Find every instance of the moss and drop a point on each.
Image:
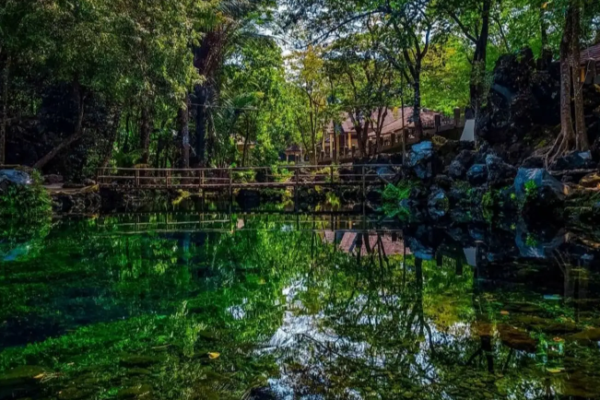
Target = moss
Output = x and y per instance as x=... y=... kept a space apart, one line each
x=487 y=206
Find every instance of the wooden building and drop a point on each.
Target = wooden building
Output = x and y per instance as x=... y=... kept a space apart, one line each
x=340 y=141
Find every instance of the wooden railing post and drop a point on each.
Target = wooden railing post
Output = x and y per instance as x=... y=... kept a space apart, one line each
x=364 y=183
x=331 y=173
x=137 y=177
x=230 y=184
x=168 y=178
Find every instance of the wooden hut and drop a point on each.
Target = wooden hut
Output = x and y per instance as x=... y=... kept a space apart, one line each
x=294 y=153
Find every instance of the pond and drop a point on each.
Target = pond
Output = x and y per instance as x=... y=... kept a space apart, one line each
x=278 y=305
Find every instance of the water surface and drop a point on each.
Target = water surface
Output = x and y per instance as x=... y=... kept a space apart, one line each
x=281 y=305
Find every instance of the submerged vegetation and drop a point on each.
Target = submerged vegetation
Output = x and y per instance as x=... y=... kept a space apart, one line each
x=103 y=312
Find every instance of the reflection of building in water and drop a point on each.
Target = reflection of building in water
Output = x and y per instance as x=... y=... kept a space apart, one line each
x=353 y=241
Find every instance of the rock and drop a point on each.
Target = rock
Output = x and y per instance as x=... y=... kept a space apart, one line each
x=540 y=244
x=15 y=177
x=456 y=170
x=531 y=180
x=262 y=393
x=591 y=180
x=420 y=159
x=499 y=171
x=438 y=204
x=461 y=164
x=507 y=199
x=517 y=339
x=533 y=162
x=53 y=179
x=135 y=392
x=443 y=181
x=477 y=174
x=574 y=160
x=89 y=182
x=139 y=361
x=465 y=157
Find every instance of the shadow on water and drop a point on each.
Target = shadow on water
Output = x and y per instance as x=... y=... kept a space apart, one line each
x=280 y=305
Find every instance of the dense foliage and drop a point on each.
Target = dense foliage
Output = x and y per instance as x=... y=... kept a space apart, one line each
x=95 y=83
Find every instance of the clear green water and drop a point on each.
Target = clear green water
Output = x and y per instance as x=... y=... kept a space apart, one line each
x=284 y=306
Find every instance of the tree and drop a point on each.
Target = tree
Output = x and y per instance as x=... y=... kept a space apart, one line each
x=364 y=83
x=472 y=18
x=573 y=134
x=312 y=112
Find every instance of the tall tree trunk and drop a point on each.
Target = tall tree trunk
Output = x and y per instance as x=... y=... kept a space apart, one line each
x=201 y=122
x=477 y=87
x=111 y=142
x=5 y=83
x=543 y=28
x=145 y=133
x=417 y=103
x=246 y=138
x=581 y=139
x=77 y=132
x=566 y=137
x=184 y=134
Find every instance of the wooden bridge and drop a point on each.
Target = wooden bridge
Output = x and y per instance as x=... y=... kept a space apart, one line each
x=280 y=177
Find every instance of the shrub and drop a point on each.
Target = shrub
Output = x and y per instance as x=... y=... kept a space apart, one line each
x=25 y=210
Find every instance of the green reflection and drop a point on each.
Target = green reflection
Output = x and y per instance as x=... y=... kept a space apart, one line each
x=219 y=306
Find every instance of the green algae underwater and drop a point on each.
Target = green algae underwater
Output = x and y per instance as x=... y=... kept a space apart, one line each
x=278 y=306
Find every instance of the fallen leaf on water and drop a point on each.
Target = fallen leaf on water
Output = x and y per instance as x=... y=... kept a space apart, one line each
x=213 y=356
x=40 y=376
x=555 y=370
x=504 y=312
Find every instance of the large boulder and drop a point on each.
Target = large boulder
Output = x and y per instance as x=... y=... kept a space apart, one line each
x=477 y=174
x=438 y=204
x=421 y=157
x=574 y=160
x=457 y=170
x=534 y=181
x=499 y=171
x=16 y=177
x=13 y=177
x=461 y=164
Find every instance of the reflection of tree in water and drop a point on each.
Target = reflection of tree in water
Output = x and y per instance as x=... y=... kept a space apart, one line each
x=396 y=326
x=358 y=315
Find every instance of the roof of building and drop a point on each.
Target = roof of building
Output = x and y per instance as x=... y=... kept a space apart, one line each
x=293 y=149
x=349 y=243
x=393 y=121
x=591 y=54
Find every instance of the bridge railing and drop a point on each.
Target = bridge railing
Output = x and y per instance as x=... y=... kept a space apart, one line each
x=277 y=176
